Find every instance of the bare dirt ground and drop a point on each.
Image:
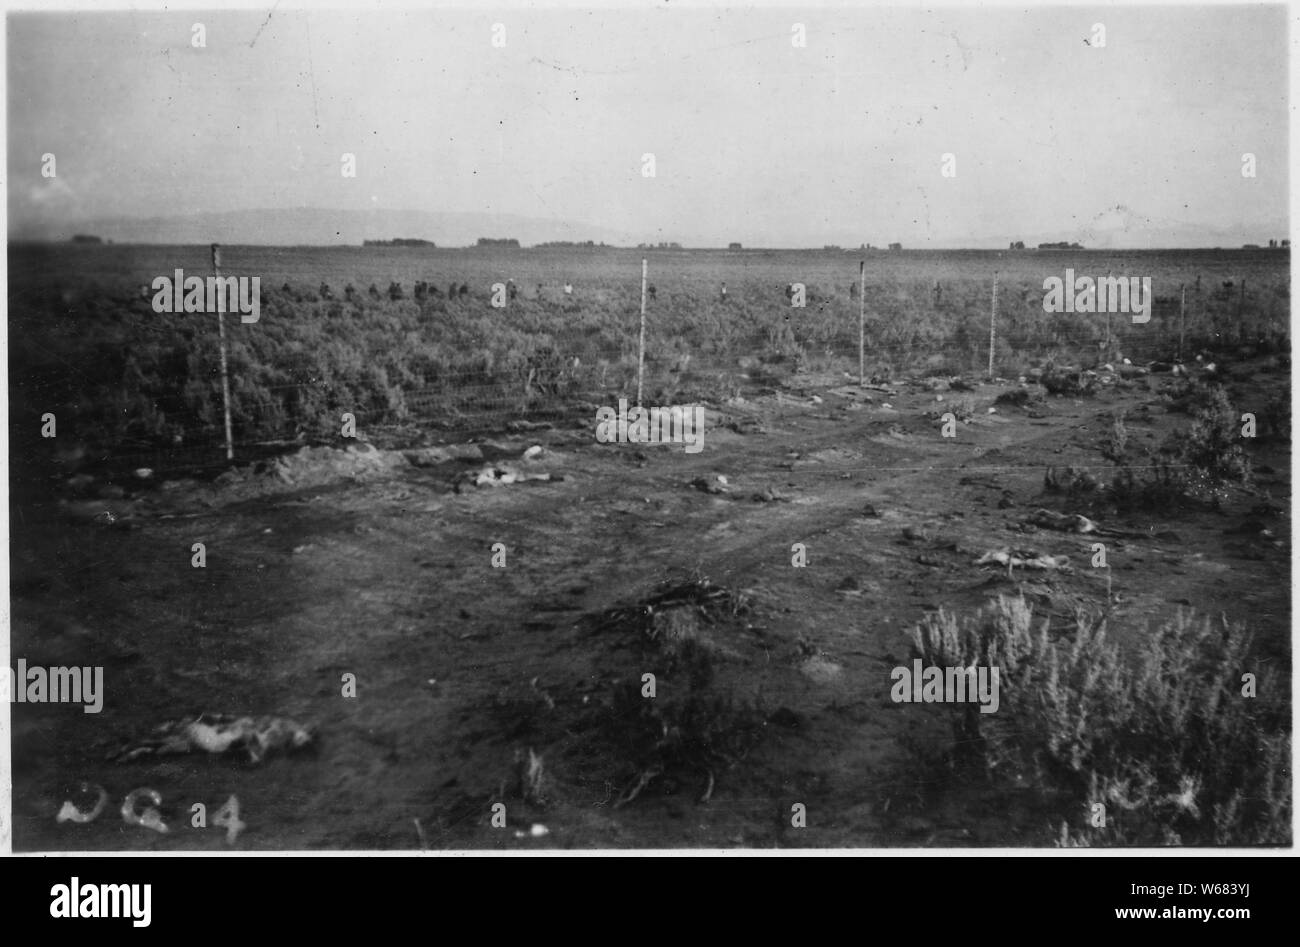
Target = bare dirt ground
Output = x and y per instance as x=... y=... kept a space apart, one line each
x=376 y=567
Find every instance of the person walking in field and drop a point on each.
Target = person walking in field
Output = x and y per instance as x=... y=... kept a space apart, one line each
x=724 y=291
x=568 y=289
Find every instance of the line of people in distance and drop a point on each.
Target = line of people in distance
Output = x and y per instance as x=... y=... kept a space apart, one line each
x=421 y=291
x=456 y=290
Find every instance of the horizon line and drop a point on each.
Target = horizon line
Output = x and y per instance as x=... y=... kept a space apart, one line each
x=581 y=245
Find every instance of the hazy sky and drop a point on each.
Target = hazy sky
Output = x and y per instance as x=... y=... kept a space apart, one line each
x=754 y=139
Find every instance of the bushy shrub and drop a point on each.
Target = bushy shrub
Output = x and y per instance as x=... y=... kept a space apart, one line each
x=1116 y=439
x=1213 y=441
x=1164 y=739
x=963 y=408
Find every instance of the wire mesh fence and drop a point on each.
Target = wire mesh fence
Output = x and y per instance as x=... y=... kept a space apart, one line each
x=131 y=389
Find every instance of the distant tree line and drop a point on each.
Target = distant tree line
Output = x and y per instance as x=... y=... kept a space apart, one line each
x=498 y=242
x=399 y=242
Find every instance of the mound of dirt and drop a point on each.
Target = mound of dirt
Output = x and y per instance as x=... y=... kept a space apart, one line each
x=436 y=456
x=1019 y=397
x=312 y=465
x=1070 y=382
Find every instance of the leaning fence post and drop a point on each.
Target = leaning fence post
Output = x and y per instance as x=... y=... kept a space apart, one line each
x=221 y=334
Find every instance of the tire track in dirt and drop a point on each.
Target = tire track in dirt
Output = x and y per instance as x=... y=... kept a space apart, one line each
x=532 y=518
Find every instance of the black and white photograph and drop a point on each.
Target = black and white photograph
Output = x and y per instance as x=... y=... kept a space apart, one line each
x=649 y=427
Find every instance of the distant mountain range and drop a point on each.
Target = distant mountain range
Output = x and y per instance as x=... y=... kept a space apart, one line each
x=1114 y=228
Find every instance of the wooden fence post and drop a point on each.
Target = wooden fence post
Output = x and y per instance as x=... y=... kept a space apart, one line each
x=640 y=368
x=1182 y=320
x=993 y=324
x=862 y=322
x=221 y=334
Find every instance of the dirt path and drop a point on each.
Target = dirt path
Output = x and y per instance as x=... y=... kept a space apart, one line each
x=390 y=578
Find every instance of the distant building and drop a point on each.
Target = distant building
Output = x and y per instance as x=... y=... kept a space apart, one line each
x=895 y=246
x=1250 y=246
x=734 y=246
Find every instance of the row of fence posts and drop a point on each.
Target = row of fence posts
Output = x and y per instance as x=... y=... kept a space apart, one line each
x=862 y=327
x=862 y=324
x=993 y=318
x=640 y=371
